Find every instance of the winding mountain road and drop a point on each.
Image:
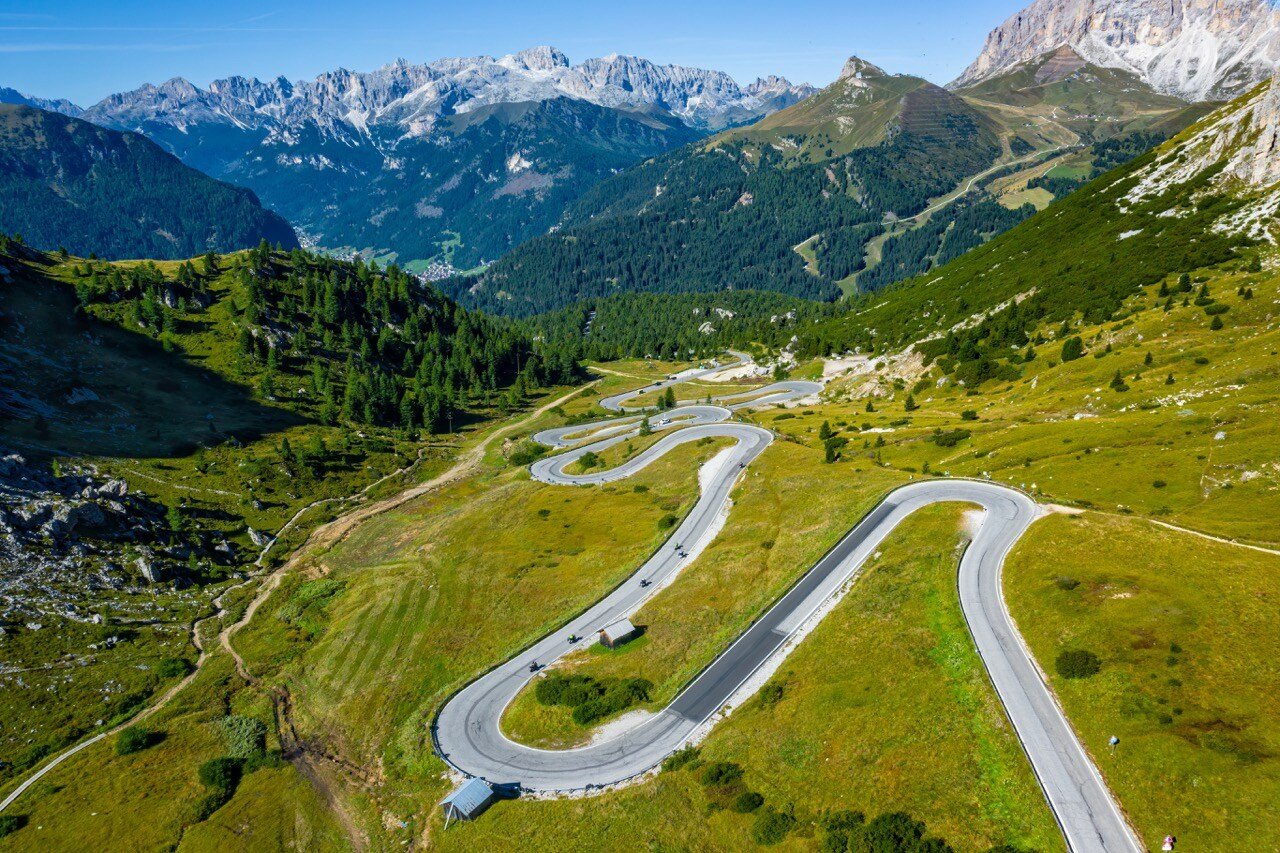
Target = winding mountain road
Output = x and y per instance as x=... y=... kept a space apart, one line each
x=467 y=730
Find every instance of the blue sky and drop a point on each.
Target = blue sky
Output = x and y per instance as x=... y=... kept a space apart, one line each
x=86 y=49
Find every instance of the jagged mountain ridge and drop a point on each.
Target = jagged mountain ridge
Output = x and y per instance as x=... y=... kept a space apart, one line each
x=58 y=105
x=1196 y=49
x=455 y=160
x=1239 y=149
x=416 y=97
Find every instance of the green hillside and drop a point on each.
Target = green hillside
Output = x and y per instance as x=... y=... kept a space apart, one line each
x=239 y=401
x=728 y=215
x=67 y=183
x=1061 y=91
x=811 y=200
x=1081 y=259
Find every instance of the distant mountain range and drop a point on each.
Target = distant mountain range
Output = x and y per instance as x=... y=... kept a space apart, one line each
x=1195 y=49
x=68 y=183
x=455 y=160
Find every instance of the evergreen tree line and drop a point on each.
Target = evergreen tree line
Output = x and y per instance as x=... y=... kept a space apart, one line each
x=677 y=326
x=946 y=236
x=370 y=346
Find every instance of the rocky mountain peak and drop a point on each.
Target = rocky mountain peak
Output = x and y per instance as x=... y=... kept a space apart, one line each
x=1195 y=49
x=859 y=69
x=542 y=58
x=413 y=97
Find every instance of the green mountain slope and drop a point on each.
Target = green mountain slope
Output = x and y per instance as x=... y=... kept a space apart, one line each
x=728 y=214
x=233 y=399
x=65 y=182
x=1201 y=199
x=810 y=200
x=1061 y=91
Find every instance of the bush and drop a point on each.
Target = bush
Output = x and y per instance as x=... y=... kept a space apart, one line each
x=526 y=454
x=552 y=689
x=591 y=699
x=747 y=802
x=844 y=830
x=1072 y=349
x=968 y=415
x=11 y=823
x=667 y=522
x=771 y=825
x=173 y=667
x=771 y=693
x=213 y=800
x=721 y=773
x=133 y=739
x=681 y=758
x=221 y=774
x=246 y=737
x=950 y=438
x=1077 y=663
x=898 y=831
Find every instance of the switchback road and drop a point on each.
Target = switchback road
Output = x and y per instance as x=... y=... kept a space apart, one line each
x=468 y=733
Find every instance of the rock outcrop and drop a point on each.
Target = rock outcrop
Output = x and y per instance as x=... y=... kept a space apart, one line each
x=1195 y=49
x=1244 y=140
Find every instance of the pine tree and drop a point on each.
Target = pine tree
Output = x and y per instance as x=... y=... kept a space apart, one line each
x=1072 y=349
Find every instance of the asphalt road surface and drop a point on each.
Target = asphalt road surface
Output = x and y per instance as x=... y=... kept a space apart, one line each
x=467 y=730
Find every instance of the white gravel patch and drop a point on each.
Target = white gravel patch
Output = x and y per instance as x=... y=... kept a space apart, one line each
x=619 y=726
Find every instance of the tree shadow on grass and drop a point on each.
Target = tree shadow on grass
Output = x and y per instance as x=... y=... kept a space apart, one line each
x=73 y=385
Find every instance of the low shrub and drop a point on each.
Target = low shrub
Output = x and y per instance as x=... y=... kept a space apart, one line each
x=747 y=802
x=220 y=773
x=134 y=739
x=11 y=823
x=245 y=737
x=526 y=454
x=173 y=667
x=591 y=699
x=771 y=693
x=721 y=773
x=1077 y=663
x=950 y=438
x=681 y=758
x=772 y=826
